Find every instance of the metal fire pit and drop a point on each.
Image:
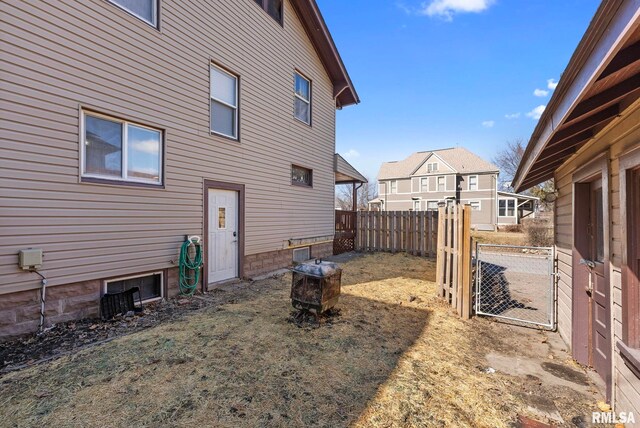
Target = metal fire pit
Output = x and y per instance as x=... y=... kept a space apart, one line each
x=315 y=285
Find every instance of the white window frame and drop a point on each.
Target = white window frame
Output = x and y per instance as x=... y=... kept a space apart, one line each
x=154 y=10
x=393 y=187
x=469 y=183
x=428 y=202
x=425 y=188
x=236 y=108
x=295 y=94
x=444 y=179
x=476 y=202
x=124 y=176
x=506 y=207
x=431 y=167
x=124 y=278
x=417 y=202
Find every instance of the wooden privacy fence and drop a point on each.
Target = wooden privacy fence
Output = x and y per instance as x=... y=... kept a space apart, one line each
x=453 y=269
x=412 y=231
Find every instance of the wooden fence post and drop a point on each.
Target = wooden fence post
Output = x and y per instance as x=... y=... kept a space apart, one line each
x=467 y=306
x=440 y=252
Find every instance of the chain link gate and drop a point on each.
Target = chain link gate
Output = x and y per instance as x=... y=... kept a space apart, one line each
x=516 y=283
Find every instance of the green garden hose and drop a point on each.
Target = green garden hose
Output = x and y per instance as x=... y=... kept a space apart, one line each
x=190 y=266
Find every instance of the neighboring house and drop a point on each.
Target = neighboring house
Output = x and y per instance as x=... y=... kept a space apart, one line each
x=588 y=141
x=514 y=207
x=424 y=179
x=128 y=125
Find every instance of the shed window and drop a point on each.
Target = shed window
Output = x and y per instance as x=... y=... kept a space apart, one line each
x=224 y=102
x=120 y=150
x=147 y=10
x=273 y=8
x=441 y=184
x=150 y=286
x=302 y=99
x=506 y=207
x=301 y=176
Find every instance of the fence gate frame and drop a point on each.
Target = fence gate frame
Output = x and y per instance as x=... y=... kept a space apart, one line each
x=552 y=281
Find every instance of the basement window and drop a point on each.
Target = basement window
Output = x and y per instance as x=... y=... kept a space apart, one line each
x=301 y=254
x=115 y=149
x=150 y=286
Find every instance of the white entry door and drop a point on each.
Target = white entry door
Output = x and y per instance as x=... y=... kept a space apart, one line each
x=223 y=235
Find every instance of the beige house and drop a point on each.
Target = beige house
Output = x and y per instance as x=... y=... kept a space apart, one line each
x=424 y=179
x=128 y=125
x=588 y=140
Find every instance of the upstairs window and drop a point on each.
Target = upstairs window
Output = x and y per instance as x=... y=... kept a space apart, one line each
x=273 y=8
x=424 y=184
x=115 y=149
x=224 y=103
x=147 y=10
x=441 y=184
x=393 y=186
x=473 y=182
x=432 y=167
x=301 y=176
x=302 y=99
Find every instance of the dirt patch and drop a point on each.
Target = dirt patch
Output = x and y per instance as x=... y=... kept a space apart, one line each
x=567 y=373
x=396 y=356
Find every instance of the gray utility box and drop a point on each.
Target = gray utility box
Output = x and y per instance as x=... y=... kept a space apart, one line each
x=30 y=258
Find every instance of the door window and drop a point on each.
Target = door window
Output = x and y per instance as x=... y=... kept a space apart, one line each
x=222 y=218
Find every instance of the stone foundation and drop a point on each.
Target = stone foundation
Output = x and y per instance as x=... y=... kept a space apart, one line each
x=262 y=263
x=20 y=312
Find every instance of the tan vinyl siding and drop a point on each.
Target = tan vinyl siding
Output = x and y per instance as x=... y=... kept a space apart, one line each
x=619 y=138
x=63 y=55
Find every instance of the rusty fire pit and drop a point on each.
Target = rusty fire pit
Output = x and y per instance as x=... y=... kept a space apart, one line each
x=315 y=286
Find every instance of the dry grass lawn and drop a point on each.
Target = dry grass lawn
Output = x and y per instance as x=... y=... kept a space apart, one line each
x=395 y=356
x=501 y=238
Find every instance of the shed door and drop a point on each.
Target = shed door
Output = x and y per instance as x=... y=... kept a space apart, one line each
x=223 y=235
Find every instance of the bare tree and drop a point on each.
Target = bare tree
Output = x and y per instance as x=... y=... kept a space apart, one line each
x=344 y=195
x=508 y=160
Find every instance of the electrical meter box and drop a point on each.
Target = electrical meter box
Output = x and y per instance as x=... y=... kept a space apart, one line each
x=30 y=258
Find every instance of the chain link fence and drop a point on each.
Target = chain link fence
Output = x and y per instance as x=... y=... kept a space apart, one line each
x=516 y=284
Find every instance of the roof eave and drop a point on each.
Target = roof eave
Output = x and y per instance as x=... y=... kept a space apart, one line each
x=604 y=34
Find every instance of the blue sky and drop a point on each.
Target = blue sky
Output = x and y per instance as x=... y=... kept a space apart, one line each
x=444 y=73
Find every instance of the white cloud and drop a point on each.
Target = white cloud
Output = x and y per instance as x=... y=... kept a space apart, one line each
x=488 y=123
x=447 y=8
x=536 y=112
x=147 y=146
x=540 y=92
x=512 y=115
x=352 y=153
x=551 y=84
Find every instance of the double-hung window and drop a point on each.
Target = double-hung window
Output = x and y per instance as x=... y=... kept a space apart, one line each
x=473 y=182
x=416 y=205
x=424 y=184
x=441 y=184
x=224 y=103
x=115 y=149
x=393 y=186
x=147 y=10
x=302 y=98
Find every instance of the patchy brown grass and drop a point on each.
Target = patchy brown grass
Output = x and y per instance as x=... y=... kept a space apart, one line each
x=396 y=356
x=500 y=238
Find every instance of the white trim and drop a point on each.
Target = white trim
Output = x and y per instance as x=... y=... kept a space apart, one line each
x=154 y=12
x=473 y=202
x=391 y=190
x=438 y=183
x=154 y=299
x=469 y=183
x=124 y=173
x=235 y=108
x=420 y=184
x=506 y=208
